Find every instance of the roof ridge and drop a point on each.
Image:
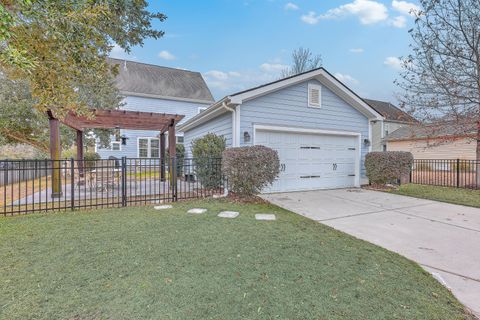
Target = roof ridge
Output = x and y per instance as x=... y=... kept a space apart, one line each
x=154 y=65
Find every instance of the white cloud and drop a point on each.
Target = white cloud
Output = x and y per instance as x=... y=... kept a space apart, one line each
x=367 y=11
x=291 y=6
x=273 y=67
x=346 y=78
x=393 y=62
x=164 y=54
x=398 y=22
x=405 y=7
x=310 y=18
x=118 y=53
x=356 y=50
x=217 y=75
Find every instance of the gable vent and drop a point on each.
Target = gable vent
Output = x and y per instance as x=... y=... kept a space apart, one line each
x=314 y=95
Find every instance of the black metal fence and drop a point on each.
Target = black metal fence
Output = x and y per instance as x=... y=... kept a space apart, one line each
x=447 y=173
x=76 y=184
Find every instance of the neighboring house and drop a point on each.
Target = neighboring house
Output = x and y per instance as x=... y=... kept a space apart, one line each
x=394 y=118
x=151 y=88
x=320 y=128
x=436 y=141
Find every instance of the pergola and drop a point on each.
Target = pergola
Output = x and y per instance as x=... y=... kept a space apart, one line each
x=110 y=119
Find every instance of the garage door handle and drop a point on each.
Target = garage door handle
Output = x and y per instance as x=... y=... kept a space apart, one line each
x=351 y=175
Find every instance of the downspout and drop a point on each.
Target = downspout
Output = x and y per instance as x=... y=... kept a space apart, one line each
x=234 y=123
x=234 y=135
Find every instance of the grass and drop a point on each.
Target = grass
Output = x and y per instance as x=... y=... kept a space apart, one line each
x=461 y=196
x=138 y=263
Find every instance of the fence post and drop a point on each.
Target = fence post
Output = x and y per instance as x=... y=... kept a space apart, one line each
x=72 y=184
x=174 y=180
x=458 y=173
x=124 y=181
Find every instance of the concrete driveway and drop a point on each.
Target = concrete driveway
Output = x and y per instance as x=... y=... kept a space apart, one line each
x=443 y=238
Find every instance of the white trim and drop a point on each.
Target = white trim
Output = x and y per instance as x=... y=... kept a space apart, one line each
x=320 y=75
x=358 y=156
x=157 y=96
x=304 y=130
x=311 y=87
x=201 y=109
x=149 y=149
x=119 y=144
x=237 y=126
x=370 y=136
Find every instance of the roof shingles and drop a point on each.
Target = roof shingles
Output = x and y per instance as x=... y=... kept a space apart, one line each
x=147 y=79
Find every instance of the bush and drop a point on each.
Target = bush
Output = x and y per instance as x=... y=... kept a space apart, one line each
x=388 y=166
x=206 y=152
x=91 y=159
x=250 y=169
x=180 y=158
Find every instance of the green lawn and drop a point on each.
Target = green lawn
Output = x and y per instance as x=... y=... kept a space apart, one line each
x=465 y=197
x=138 y=263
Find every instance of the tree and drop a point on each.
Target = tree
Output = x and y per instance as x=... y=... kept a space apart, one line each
x=441 y=78
x=302 y=60
x=21 y=123
x=59 y=48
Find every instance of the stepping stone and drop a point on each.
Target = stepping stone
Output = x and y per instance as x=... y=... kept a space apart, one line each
x=228 y=214
x=265 y=217
x=197 y=211
x=166 y=206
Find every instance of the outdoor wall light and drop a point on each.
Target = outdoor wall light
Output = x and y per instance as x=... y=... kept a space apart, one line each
x=246 y=136
x=366 y=142
x=124 y=140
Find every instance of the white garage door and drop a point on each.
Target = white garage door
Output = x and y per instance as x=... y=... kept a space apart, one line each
x=311 y=161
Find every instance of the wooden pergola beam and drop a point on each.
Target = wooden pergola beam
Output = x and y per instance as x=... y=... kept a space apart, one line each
x=115 y=119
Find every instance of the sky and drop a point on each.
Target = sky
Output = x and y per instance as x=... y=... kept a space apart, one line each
x=238 y=44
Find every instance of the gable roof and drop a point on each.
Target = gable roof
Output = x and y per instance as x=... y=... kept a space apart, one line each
x=141 y=79
x=320 y=74
x=451 y=129
x=390 y=112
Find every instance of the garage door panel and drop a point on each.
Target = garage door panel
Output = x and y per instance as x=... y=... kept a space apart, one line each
x=311 y=161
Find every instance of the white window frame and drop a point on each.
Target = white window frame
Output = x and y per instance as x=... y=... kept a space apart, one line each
x=201 y=109
x=312 y=86
x=116 y=142
x=149 y=146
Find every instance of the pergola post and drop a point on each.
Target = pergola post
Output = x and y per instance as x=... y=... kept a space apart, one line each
x=172 y=152
x=162 y=156
x=55 y=154
x=80 y=152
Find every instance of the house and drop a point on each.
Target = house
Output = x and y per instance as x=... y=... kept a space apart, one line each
x=394 y=119
x=320 y=128
x=152 y=88
x=435 y=141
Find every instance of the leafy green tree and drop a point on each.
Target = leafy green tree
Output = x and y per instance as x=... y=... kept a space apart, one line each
x=207 y=153
x=21 y=123
x=59 y=47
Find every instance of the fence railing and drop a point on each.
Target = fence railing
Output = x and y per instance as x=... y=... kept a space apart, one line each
x=44 y=185
x=456 y=173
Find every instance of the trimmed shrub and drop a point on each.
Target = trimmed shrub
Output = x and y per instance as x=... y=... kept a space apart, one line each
x=206 y=152
x=91 y=160
x=250 y=169
x=388 y=166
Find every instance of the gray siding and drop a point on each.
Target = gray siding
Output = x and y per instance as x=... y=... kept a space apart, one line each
x=133 y=103
x=289 y=107
x=221 y=126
